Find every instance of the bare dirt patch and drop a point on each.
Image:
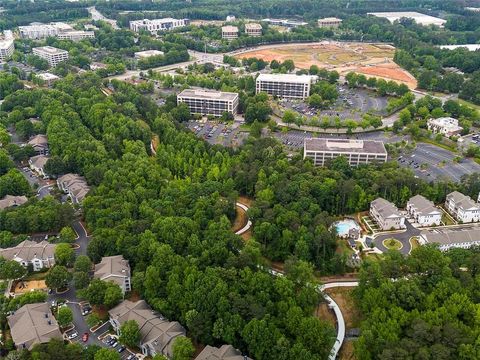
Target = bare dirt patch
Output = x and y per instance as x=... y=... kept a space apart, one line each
x=26 y=286
x=369 y=59
x=347 y=351
x=344 y=298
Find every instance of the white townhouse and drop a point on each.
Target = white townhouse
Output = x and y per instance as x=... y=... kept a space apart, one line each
x=451 y=238
x=386 y=215
x=423 y=211
x=39 y=255
x=462 y=207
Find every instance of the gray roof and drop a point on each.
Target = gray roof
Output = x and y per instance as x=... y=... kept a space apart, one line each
x=461 y=200
x=345 y=146
x=33 y=324
x=28 y=250
x=385 y=208
x=38 y=140
x=423 y=205
x=452 y=236
x=9 y=201
x=39 y=161
x=155 y=331
x=200 y=93
x=112 y=268
x=225 y=352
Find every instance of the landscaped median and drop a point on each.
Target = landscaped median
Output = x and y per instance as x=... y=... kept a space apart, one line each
x=392 y=244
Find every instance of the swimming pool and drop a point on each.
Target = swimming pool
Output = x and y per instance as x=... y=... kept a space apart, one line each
x=343 y=227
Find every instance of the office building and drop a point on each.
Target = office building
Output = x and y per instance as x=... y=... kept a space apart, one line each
x=41 y=31
x=53 y=55
x=156 y=25
x=330 y=22
x=284 y=22
x=357 y=152
x=33 y=324
x=253 y=29
x=386 y=215
x=209 y=102
x=447 y=126
x=446 y=239
x=115 y=269
x=6 y=49
x=285 y=85
x=462 y=207
x=229 y=32
x=423 y=211
x=76 y=35
x=147 y=53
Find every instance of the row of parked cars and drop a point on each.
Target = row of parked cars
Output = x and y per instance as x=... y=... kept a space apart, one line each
x=113 y=343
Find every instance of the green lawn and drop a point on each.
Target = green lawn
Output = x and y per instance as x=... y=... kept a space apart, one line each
x=392 y=244
x=468 y=103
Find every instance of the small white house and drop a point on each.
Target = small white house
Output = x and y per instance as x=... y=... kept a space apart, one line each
x=423 y=211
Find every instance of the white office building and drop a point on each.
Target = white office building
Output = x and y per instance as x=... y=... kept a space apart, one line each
x=156 y=25
x=462 y=207
x=357 y=152
x=285 y=85
x=386 y=215
x=147 y=53
x=53 y=55
x=331 y=22
x=419 y=18
x=229 y=32
x=42 y=31
x=423 y=211
x=6 y=49
x=76 y=35
x=285 y=22
x=447 y=126
x=253 y=29
x=209 y=102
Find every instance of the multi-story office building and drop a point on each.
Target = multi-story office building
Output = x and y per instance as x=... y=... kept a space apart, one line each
x=6 y=49
x=156 y=25
x=209 y=102
x=253 y=29
x=285 y=85
x=229 y=32
x=330 y=22
x=386 y=215
x=53 y=55
x=42 y=31
x=76 y=35
x=357 y=152
x=462 y=207
x=147 y=53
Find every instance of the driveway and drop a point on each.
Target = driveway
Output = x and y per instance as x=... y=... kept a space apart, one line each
x=403 y=237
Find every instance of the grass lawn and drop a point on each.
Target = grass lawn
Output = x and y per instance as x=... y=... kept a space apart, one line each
x=392 y=244
x=468 y=103
x=446 y=219
x=414 y=242
x=36 y=276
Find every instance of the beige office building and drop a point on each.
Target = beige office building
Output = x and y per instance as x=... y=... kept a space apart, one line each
x=53 y=55
x=229 y=32
x=285 y=85
x=253 y=29
x=330 y=22
x=6 y=49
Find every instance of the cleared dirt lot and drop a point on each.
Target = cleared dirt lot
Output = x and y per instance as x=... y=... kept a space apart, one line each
x=369 y=59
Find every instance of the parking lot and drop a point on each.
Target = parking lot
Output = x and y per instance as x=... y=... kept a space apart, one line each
x=351 y=104
x=217 y=133
x=111 y=341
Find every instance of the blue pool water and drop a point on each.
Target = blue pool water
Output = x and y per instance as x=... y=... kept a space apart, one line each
x=344 y=226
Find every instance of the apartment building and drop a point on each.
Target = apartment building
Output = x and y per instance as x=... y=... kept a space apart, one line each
x=253 y=29
x=224 y=352
x=331 y=22
x=357 y=152
x=37 y=164
x=39 y=144
x=41 y=31
x=447 y=126
x=285 y=85
x=115 y=269
x=75 y=35
x=209 y=102
x=157 y=334
x=229 y=32
x=386 y=215
x=53 y=55
x=33 y=324
x=462 y=207
x=75 y=186
x=6 y=49
x=423 y=211
x=451 y=238
x=39 y=255
x=156 y=25
x=147 y=53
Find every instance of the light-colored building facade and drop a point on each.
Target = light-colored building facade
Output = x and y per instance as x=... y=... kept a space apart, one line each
x=209 y=102
x=39 y=144
x=253 y=29
x=156 y=25
x=285 y=85
x=331 y=22
x=48 y=78
x=447 y=126
x=39 y=255
x=147 y=53
x=230 y=18
x=386 y=215
x=6 y=49
x=451 y=238
x=357 y=152
x=75 y=186
x=53 y=55
x=37 y=164
x=229 y=32
x=115 y=269
x=462 y=207
x=12 y=201
x=33 y=324
x=76 y=35
x=42 y=31
x=157 y=334
x=224 y=352
x=285 y=22
x=423 y=211
x=419 y=18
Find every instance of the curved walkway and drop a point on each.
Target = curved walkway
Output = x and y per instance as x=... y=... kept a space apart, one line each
x=331 y=303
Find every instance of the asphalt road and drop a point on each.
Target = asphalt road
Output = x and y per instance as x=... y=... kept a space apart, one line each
x=403 y=237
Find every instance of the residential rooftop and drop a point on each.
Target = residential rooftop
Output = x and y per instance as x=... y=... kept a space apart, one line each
x=423 y=205
x=462 y=200
x=10 y=201
x=385 y=208
x=345 y=146
x=452 y=236
x=225 y=352
x=28 y=250
x=112 y=266
x=208 y=94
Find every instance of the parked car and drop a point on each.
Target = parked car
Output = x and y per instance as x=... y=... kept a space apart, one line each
x=86 y=310
x=73 y=335
x=121 y=348
x=114 y=344
x=85 y=337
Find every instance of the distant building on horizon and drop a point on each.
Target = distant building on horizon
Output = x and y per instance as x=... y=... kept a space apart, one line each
x=253 y=29
x=331 y=22
x=156 y=25
x=229 y=32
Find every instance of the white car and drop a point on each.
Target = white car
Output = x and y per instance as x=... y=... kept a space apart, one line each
x=72 y=335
